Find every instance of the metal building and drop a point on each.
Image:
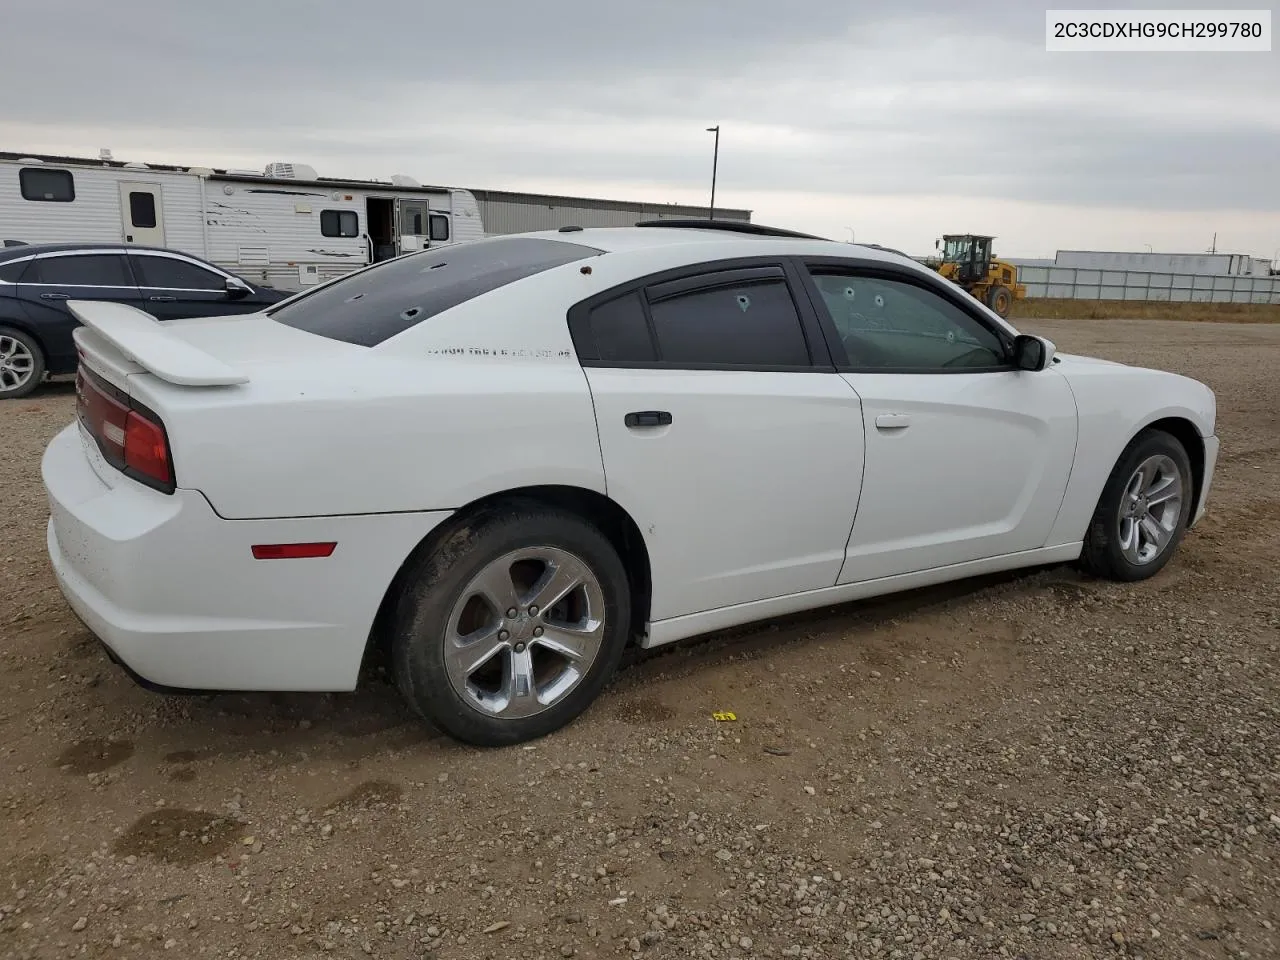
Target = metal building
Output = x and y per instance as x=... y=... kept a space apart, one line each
x=502 y=211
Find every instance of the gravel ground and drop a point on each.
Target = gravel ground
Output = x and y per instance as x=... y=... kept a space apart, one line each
x=1039 y=766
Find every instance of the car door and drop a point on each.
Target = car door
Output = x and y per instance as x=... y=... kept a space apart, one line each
x=52 y=279
x=174 y=286
x=966 y=456
x=725 y=432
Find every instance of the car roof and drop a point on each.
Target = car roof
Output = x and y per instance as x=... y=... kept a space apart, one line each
x=31 y=249
x=717 y=241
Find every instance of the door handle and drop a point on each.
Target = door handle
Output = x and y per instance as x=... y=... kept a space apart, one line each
x=54 y=296
x=892 y=421
x=162 y=299
x=647 y=418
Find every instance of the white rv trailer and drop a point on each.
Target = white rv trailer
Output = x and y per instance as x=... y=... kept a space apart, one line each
x=286 y=226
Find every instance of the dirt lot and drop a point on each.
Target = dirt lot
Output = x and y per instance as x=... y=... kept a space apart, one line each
x=1039 y=766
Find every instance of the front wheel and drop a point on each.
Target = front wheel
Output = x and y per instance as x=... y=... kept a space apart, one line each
x=512 y=626
x=1143 y=511
x=1000 y=300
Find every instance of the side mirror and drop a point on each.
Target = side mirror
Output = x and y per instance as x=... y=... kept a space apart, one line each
x=1032 y=353
x=237 y=288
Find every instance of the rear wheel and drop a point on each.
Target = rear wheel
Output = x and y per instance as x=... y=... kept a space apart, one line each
x=21 y=364
x=1143 y=511
x=511 y=628
x=1000 y=300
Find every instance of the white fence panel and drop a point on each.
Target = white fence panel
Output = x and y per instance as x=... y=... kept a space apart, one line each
x=1071 y=283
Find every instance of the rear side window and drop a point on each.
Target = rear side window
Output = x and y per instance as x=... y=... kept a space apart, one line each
x=621 y=332
x=91 y=270
x=370 y=306
x=57 y=186
x=12 y=272
x=744 y=324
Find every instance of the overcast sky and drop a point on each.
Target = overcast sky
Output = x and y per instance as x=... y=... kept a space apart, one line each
x=899 y=120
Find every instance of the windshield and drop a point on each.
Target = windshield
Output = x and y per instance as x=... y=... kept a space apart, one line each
x=372 y=305
x=957 y=249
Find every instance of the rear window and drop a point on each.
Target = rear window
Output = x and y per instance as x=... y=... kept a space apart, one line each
x=382 y=301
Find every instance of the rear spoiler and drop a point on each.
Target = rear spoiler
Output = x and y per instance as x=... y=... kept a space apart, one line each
x=145 y=341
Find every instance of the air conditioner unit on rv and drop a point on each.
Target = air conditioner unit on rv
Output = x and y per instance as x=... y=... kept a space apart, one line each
x=291 y=171
x=403 y=180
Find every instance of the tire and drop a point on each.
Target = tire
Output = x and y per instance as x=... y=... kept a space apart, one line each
x=22 y=363
x=452 y=592
x=1000 y=300
x=1109 y=549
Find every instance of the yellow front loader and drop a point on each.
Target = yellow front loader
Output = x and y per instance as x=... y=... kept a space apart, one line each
x=966 y=260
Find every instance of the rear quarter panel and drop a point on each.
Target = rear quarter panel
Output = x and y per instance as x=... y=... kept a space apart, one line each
x=1115 y=403
x=485 y=397
x=382 y=435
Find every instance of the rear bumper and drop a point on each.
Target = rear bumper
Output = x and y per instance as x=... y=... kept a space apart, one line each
x=1210 y=464
x=175 y=593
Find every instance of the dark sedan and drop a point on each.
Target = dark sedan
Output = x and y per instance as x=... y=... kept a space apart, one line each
x=37 y=280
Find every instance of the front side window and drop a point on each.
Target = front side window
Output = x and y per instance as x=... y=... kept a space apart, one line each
x=339 y=223
x=374 y=304
x=173 y=274
x=751 y=323
x=91 y=270
x=891 y=324
x=55 y=186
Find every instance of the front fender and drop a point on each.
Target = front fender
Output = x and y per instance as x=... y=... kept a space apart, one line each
x=1115 y=403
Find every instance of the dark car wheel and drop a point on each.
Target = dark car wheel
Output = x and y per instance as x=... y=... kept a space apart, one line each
x=511 y=628
x=21 y=364
x=1143 y=511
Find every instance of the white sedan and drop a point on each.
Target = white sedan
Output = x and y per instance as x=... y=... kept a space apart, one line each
x=508 y=459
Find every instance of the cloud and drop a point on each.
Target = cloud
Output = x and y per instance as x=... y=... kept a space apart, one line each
x=855 y=103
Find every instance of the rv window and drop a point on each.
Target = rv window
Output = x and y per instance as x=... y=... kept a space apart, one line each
x=374 y=304
x=142 y=210
x=339 y=223
x=57 y=186
x=439 y=227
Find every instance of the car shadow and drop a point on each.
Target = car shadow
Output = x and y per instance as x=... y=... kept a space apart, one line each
x=374 y=718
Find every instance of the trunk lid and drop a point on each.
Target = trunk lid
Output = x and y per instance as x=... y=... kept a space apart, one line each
x=118 y=342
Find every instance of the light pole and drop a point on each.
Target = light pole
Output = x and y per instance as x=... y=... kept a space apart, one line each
x=850 y=229
x=715 y=162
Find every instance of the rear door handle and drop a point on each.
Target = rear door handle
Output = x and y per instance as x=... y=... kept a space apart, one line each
x=647 y=418
x=892 y=421
x=162 y=299
x=54 y=296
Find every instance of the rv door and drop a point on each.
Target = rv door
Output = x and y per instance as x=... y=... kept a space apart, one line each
x=142 y=213
x=411 y=218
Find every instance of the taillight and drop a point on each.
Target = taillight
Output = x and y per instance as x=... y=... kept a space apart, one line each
x=131 y=438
